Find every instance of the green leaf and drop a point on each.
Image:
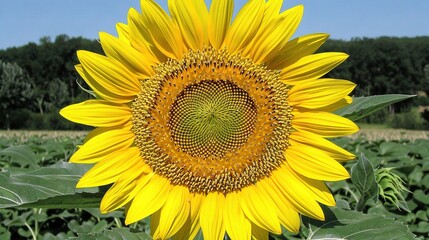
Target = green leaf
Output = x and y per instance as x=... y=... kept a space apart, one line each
x=52 y=186
x=345 y=224
x=393 y=149
x=363 y=178
x=364 y=106
x=115 y=234
x=69 y=201
x=22 y=155
x=96 y=213
x=421 y=227
x=420 y=196
x=425 y=181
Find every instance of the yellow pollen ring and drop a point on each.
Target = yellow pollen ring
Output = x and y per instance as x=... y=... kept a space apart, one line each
x=205 y=84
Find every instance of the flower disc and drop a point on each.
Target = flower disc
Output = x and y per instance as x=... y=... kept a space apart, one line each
x=216 y=122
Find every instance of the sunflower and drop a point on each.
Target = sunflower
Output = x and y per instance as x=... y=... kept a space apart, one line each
x=204 y=123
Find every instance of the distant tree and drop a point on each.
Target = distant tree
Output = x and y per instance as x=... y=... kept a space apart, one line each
x=384 y=65
x=377 y=65
x=50 y=63
x=16 y=89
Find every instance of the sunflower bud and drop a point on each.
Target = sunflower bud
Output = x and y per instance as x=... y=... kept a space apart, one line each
x=390 y=186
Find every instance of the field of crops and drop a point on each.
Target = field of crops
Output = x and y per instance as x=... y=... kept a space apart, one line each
x=33 y=153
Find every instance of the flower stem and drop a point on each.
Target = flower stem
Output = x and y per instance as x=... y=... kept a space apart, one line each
x=361 y=203
x=31 y=231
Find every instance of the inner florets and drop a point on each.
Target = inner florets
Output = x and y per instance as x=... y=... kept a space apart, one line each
x=211 y=118
x=212 y=121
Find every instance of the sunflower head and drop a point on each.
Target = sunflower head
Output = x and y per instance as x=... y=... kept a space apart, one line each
x=204 y=123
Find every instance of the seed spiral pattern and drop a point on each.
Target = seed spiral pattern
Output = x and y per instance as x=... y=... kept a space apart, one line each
x=211 y=118
x=212 y=121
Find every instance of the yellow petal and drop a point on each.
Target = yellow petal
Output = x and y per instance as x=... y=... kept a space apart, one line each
x=99 y=90
x=337 y=105
x=236 y=224
x=127 y=55
x=183 y=233
x=211 y=216
x=276 y=34
x=149 y=199
x=154 y=223
x=192 y=226
x=259 y=209
x=287 y=216
x=271 y=16
x=100 y=130
x=97 y=113
x=296 y=49
x=311 y=67
x=173 y=214
x=314 y=163
x=110 y=74
x=300 y=198
x=245 y=26
x=259 y=233
x=124 y=190
x=272 y=9
x=165 y=34
x=319 y=189
x=112 y=166
x=141 y=39
x=319 y=93
x=103 y=144
x=315 y=141
x=219 y=19
x=196 y=202
x=192 y=19
x=324 y=124
x=123 y=32
x=313 y=189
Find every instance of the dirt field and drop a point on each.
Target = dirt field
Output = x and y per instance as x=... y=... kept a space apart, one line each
x=370 y=134
x=391 y=134
x=23 y=134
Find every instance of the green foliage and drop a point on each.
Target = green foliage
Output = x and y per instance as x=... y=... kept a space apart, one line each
x=384 y=65
x=364 y=180
x=48 y=67
x=25 y=119
x=378 y=66
x=50 y=210
x=22 y=188
x=363 y=106
x=38 y=198
x=15 y=90
x=120 y=233
x=390 y=187
x=406 y=159
x=353 y=225
x=408 y=120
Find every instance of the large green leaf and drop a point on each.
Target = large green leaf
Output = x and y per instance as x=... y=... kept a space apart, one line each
x=114 y=234
x=76 y=200
x=363 y=178
x=364 y=106
x=53 y=187
x=354 y=225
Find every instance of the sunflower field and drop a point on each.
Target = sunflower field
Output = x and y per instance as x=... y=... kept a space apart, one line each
x=206 y=125
x=386 y=197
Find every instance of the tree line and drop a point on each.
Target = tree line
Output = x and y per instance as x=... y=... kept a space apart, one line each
x=36 y=80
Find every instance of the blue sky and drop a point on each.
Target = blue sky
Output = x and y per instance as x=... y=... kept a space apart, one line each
x=23 y=21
